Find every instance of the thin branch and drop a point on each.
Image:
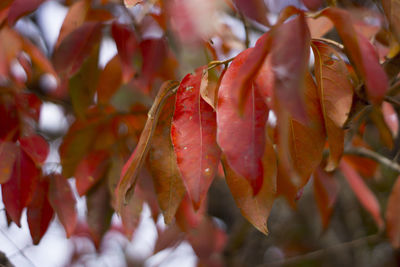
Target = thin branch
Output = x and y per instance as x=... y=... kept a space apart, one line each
x=215 y=63
x=331 y=42
x=246 y=30
x=322 y=252
x=15 y=245
x=366 y=153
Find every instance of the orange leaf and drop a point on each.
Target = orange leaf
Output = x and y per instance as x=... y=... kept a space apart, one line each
x=132 y=167
x=393 y=215
x=110 y=80
x=335 y=94
x=163 y=167
x=256 y=209
x=362 y=192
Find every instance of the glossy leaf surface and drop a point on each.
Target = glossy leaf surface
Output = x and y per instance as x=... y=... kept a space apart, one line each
x=193 y=133
x=242 y=138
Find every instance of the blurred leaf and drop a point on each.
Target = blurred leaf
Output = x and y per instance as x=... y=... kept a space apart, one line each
x=254 y=9
x=63 y=202
x=326 y=189
x=40 y=211
x=17 y=192
x=74 y=19
x=392 y=11
x=36 y=147
x=90 y=170
x=393 y=215
x=110 y=80
x=8 y=154
x=363 y=193
x=21 y=8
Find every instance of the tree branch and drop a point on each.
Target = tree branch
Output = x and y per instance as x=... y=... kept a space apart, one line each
x=366 y=153
x=321 y=252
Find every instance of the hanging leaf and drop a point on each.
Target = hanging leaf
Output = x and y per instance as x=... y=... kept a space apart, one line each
x=163 y=167
x=242 y=138
x=132 y=167
x=99 y=212
x=130 y=215
x=17 y=192
x=361 y=52
x=256 y=209
x=335 y=94
x=289 y=66
x=63 y=202
x=326 y=190
x=193 y=133
x=40 y=211
x=393 y=215
x=305 y=144
x=363 y=193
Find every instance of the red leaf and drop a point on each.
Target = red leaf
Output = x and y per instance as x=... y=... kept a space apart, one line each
x=8 y=154
x=326 y=190
x=313 y=4
x=130 y=215
x=393 y=215
x=289 y=66
x=254 y=9
x=242 y=138
x=39 y=212
x=255 y=209
x=10 y=121
x=391 y=118
x=361 y=52
x=127 y=45
x=193 y=133
x=163 y=167
x=20 y=8
x=29 y=105
x=154 y=53
x=90 y=170
x=36 y=147
x=75 y=48
x=18 y=190
x=363 y=193
x=63 y=202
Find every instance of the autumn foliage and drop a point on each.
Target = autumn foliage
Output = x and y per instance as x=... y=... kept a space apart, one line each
x=313 y=100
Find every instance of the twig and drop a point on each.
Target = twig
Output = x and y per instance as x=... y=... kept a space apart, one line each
x=366 y=153
x=15 y=245
x=321 y=252
x=215 y=63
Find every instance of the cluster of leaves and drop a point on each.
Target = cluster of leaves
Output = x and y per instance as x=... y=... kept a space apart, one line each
x=266 y=120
